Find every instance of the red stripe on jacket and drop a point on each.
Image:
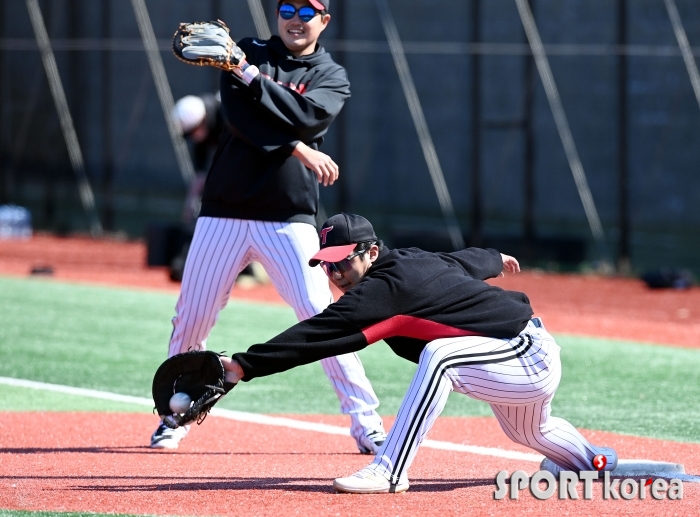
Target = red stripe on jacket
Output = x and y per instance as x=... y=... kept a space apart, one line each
x=410 y=326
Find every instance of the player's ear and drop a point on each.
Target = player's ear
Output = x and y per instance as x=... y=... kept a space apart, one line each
x=373 y=253
x=325 y=19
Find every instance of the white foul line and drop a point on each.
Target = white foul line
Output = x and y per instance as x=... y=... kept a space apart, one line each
x=256 y=418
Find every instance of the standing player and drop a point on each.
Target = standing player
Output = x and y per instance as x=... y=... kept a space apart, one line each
x=436 y=310
x=261 y=198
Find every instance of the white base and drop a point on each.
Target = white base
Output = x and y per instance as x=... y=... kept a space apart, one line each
x=637 y=469
x=644 y=468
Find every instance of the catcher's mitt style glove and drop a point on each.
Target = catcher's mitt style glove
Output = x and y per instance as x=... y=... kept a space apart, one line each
x=200 y=374
x=207 y=44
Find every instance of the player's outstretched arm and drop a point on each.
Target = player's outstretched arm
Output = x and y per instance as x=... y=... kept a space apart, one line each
x=510 y=264
x=319 y=163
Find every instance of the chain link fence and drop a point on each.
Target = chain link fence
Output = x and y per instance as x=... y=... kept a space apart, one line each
x=623 y=80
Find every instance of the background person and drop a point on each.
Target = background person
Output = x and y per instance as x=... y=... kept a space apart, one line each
x=199 y=117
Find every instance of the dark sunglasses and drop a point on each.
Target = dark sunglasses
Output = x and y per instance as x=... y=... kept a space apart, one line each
x=342 y=266
x=306 y=13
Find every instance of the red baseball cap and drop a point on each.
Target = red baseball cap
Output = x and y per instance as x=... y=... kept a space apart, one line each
x=339 y=235
x=321 y=5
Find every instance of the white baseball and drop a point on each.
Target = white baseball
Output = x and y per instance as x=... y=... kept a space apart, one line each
x=180 y=403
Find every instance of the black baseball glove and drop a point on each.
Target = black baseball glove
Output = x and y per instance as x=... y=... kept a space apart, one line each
x=200 y=374
x=207 y=44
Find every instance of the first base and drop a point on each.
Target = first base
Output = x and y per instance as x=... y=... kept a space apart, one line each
x=632 y=468
x=647 y=468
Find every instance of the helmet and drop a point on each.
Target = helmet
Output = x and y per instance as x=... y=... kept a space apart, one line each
x=189 y=112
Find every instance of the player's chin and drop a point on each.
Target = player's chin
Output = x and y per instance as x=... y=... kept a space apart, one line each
x=296 y=42
x=344 y=287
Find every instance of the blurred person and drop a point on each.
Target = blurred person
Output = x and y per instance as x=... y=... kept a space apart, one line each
x=261 y=197
x=199 y=117
x=436 y=310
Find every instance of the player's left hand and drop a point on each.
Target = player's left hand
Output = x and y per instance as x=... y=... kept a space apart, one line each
x=319 y=163
x=233 y=372
x=510 y=264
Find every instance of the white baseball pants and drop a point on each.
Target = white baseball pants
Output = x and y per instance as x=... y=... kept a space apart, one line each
x=220 y=250
x=516 y=377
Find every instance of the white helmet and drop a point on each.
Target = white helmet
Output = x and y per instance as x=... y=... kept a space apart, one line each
x=189 y=112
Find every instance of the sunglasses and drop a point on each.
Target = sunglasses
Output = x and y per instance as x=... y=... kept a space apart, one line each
x=306 y=13
x=342 y=266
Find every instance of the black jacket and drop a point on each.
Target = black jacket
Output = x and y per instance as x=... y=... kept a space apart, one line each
x=253 y=175
x=408 y=297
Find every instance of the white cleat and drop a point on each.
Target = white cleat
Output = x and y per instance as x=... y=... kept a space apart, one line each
x=368 y=481
x=371 y=443
x=166 y=438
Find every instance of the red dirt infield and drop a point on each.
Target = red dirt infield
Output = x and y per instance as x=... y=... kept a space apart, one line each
x=100 y=463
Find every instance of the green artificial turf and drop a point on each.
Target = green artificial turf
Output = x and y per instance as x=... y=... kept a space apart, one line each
x=630 y=388
x=13 y=398
x=113 y=340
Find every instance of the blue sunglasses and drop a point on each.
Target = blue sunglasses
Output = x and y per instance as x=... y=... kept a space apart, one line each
x=306 y=13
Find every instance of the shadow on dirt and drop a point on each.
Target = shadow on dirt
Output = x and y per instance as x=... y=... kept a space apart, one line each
x=144 y=449
x=236 y=484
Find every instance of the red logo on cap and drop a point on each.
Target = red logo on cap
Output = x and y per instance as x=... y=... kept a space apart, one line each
x=325 y=232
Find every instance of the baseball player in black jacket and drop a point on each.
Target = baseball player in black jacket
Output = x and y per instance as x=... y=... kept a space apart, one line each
x=436 y=310
x=260 y=199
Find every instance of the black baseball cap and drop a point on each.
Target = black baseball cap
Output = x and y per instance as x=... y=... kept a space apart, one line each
x=321 y=5
x=339 y=235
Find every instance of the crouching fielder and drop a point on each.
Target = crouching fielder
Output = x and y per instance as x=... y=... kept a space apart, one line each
x=436 y=310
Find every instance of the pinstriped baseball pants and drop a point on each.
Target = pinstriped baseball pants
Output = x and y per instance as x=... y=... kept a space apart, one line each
x=517 y=378
x=220 y=250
